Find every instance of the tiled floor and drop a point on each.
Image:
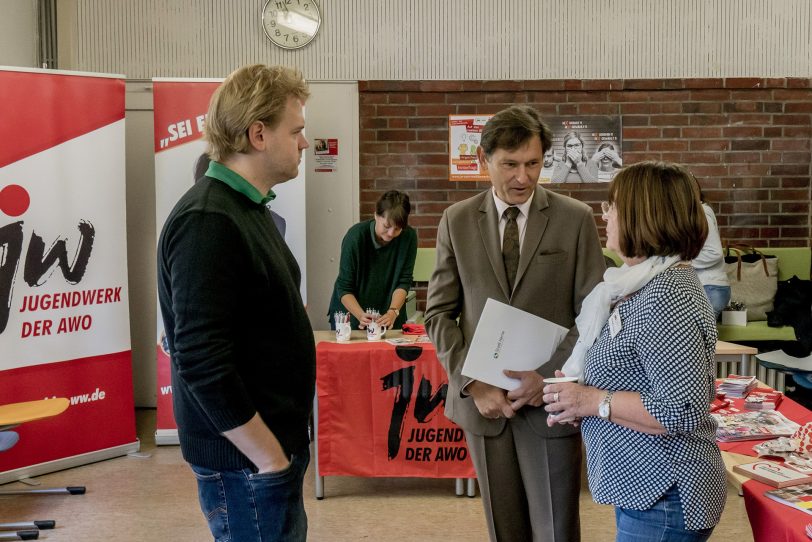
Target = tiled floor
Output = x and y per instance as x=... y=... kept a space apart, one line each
x=153 y=498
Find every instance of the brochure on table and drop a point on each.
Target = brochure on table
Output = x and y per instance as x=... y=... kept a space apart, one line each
x=509 y=338
x=753 y=425
x=772 y=473
x=799 y=497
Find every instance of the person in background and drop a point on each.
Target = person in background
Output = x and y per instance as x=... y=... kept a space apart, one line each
x=550 y=160
x=646 y=358
x=710 y=264
x=377 y=263
x=604 y=163
x=573 y=166
x=534 y=249
x=243 y=358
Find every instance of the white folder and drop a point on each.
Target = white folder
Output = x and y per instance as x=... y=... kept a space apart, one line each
x=509 y=338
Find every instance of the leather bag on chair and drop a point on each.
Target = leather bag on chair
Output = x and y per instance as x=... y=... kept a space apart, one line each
x=753 y=278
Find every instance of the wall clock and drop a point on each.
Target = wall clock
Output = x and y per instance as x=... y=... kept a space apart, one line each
x=291 y=24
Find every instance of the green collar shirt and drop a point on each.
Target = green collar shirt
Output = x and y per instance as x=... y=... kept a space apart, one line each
x=220 y=172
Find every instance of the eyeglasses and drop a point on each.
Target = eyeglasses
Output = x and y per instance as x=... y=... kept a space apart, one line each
x=605 y=208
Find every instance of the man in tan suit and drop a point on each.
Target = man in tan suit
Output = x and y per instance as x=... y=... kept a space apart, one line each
x=544 y=257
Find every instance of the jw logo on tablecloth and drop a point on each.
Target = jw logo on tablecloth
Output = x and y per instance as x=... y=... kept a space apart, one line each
x=447 y=443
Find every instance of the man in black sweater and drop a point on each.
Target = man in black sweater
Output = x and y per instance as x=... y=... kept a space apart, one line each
x=243 y=356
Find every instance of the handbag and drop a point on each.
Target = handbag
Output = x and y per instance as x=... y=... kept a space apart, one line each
x=753 y=279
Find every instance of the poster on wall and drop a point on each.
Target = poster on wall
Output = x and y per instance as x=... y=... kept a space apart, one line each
x=325 y=151
x=180 y=107
x=464 y=132
x=585 y=149
x=64 y=309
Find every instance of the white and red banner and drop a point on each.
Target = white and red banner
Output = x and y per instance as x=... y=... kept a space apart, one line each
x=64 y=316
x=180 y=107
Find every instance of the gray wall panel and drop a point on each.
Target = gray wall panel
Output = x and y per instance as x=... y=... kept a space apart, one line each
x=456 y=39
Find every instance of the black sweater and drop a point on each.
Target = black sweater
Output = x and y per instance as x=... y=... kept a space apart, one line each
x=238 y=335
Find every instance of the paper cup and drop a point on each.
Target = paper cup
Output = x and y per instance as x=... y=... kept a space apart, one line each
x=560 y=379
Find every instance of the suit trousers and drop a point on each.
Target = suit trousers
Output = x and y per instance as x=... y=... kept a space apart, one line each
x=530 y=484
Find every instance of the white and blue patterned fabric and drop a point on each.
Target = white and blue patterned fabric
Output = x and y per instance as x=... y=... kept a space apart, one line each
x=664 y=350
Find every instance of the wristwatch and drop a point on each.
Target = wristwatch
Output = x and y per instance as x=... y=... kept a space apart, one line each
x=605 y=408
x=397 y=311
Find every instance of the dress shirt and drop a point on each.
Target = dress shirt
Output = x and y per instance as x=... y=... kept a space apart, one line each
x=521 y=218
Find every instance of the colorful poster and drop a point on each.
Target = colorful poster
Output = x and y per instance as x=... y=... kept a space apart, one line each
x=326 y=153
x=180 y=108
x=584 y=149
x=464 y=132
x=380 y=413
x=64 y=314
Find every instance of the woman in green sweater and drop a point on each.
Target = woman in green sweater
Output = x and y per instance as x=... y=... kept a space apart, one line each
x=377 y=262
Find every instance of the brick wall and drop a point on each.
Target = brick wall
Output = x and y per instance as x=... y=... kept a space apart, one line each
x=747 y=140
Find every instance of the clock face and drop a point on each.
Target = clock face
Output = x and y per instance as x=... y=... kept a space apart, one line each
x=291 y=23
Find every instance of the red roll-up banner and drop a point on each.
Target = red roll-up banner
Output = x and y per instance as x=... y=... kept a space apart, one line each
x=64 y=315
x=180 y=108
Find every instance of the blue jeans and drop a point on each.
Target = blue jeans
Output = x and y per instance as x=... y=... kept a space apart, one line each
x=663 y=522
x=719 y=297
x=243 y=506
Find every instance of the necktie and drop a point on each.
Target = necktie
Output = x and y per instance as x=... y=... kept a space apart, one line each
x=510 y=245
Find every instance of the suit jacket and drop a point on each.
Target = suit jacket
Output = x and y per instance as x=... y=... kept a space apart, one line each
x=560 y=262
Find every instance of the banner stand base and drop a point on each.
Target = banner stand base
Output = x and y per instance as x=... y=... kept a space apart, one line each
x=68 y=462
x=166 y=437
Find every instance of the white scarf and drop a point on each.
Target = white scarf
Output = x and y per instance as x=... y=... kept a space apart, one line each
x=618 y=282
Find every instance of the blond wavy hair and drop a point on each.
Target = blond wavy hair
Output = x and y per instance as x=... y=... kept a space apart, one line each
x=249 y=94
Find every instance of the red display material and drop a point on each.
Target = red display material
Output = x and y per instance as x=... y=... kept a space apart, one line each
x=380 y=413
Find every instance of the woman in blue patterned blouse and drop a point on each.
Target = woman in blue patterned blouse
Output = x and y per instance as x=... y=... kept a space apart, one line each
x=646 y=360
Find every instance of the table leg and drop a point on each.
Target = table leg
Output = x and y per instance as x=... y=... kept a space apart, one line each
x=472 y=487
x=319 y=488
x=458 y=490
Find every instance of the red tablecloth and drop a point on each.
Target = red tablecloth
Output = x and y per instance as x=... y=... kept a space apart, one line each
x=380 y=413
x=771 y=521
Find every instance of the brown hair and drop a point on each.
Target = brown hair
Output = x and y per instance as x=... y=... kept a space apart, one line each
x=250 y=94
x=511 y=128
x=395 y=207
x=658 y=211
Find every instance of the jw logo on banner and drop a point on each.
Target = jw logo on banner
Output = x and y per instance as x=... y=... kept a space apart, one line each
x=38 y=265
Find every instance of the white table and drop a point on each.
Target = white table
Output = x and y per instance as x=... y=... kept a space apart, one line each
x=734 y=358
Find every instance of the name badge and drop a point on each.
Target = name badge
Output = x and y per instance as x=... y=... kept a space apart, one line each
x=614 y=323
